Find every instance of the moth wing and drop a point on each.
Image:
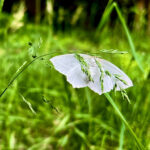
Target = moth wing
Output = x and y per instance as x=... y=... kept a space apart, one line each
x=77 y=78
x=96 y=84
x=71 y=68
x=116 y=71
x=64 y=63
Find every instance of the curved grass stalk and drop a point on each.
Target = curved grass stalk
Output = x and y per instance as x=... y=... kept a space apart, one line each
x=140 y=146
x=113 y=5
x=19 y=73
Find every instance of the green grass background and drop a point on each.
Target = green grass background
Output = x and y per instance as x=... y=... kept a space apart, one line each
x=84 y=120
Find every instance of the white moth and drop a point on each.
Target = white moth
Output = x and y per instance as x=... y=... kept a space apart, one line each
x=98 y=74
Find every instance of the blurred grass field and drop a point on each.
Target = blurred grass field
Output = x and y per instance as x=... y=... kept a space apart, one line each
x=70 y=119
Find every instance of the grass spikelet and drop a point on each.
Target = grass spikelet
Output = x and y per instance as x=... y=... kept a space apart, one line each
x=84 y=66
x=29 y=105
x=118 y=77
x=102 y=74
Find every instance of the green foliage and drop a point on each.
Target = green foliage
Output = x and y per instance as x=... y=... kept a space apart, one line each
x=1 y=5
x=113 y=5
x=84 y=120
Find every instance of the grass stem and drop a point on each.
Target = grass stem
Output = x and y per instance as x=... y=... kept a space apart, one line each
x=140 y=146
x=19 y=73
x=105 y=17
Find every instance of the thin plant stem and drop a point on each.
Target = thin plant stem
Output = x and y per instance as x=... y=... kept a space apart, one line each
x=105 y=16
x=19 y=73
x=107 y=12
x=140 y=146
x=128 y=36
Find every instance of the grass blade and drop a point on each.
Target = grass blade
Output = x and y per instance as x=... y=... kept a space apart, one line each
x=140 y=146
x=128 y=36
x=1 y=5
x=29 y=105
x=105 y=17
x=121 y=137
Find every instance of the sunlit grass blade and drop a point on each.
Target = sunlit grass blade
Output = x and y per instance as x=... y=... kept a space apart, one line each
x=113 y=51
x=81 y=134
x=12 y=141
x=63 y=141
x=1 y=5
x=105 y=17
x=121 y=140
x=140 y=146
x=62 y=124
x=43 y=143
x=128 y=36
x=29 y=105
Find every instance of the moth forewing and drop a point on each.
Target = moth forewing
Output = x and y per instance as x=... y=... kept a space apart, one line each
x=102 y=83
x=64 y=63
x=77 y=78
x=124 y=81
x=71 y=68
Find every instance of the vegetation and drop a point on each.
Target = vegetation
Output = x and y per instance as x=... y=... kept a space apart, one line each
x=41 y=110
